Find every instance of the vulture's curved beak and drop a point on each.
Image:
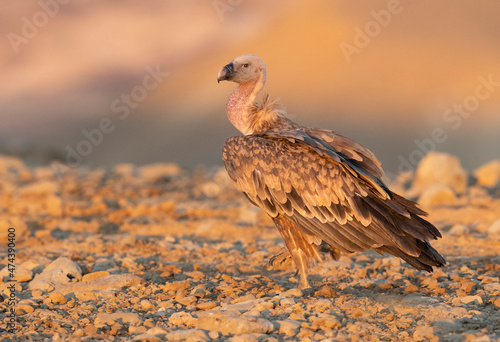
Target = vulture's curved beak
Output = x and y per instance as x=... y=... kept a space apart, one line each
x=226 y=73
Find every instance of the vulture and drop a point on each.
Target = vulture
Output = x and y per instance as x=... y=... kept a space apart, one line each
x=323 y=191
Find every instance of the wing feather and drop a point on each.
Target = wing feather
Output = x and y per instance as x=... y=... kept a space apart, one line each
x=337 y=197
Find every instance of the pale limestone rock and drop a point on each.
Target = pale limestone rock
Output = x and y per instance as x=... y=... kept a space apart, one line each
x=235 y=325
x=440 y=169
x=489 y=174
x=60 y=272
x=436 y=195
x=494 y=229
x=113 y=318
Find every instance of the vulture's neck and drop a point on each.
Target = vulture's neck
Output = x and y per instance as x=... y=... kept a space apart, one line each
x=241 y=109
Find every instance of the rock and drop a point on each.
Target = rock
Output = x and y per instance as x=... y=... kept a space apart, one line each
x=411 y=288
x=435 y=195
x=492 y=287
x=156 y=331
x=488 y=175
x=111 y=282
x=287 y=302
x=471 y=300
x=494 y=229
x=440 y=169
x=60 y=272
x=235 y=325
x=206 y=305
x=146 y=304
x=183 y=318
x=187 y=335
x=71 y=268
x=176 y=285
x=188 y=300
x=57 y=297
x=497 y=302
x=124 y=169
x=154 y=172
x=10 y=164
x=23 y=309
x=147 y=337
x=459 y=229
x=16 y=222
x=104 y=265
x=424 y=333
x=262 y=305
x=54 y=205
x=321 y=305
x=40 y=188
x=94 y=275
x=109 y=228
x=295 y=292
x=113 y=318
x=251 y=338
x=21 y=274
x=288 y=327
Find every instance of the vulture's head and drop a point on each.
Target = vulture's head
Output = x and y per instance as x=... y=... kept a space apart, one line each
x=243 y=69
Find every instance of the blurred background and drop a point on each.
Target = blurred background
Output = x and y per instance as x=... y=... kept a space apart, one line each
x=105 y=82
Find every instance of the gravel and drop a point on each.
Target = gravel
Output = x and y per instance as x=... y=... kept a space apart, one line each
x=154 y=253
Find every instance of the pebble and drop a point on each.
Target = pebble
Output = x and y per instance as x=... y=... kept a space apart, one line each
x=206 y=305
x=24 y=309
x=183 y=318
x=111 y=282
x=494 y=229
x=321 y=305
x=263 y=305
x=288 y=327
x=57 y=297
x=21 y=274
x=156 y=331
x=287 y=302
x=147 y=338
x=491 y=287
x=40 y=188
x=459 y=229
x=116 y=318
x=146 y=304
x=94 y=275
x=235 y=325
x=153 y=172
x=471 y=300
x=189 y=335
x=176 y=285
x=425 y=333
x=188 y=300
x=411 y=288
x=295 y=292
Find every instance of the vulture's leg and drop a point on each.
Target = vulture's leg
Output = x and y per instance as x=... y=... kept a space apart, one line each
x=300 y=259
x=300 y=246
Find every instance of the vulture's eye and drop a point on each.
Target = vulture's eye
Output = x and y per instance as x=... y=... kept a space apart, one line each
x=245 y=65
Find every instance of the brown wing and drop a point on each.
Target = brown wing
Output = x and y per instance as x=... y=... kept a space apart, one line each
x=327 y=194
x=351 y=149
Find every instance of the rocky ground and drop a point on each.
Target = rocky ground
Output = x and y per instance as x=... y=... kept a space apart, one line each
x=153 y=253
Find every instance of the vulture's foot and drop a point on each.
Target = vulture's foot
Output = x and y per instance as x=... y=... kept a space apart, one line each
x=279 y=259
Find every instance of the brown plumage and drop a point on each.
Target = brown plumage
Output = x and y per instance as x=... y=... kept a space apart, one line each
x=320 y=188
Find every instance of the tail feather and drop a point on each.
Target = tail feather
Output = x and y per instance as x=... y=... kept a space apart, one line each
x=428 y=257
